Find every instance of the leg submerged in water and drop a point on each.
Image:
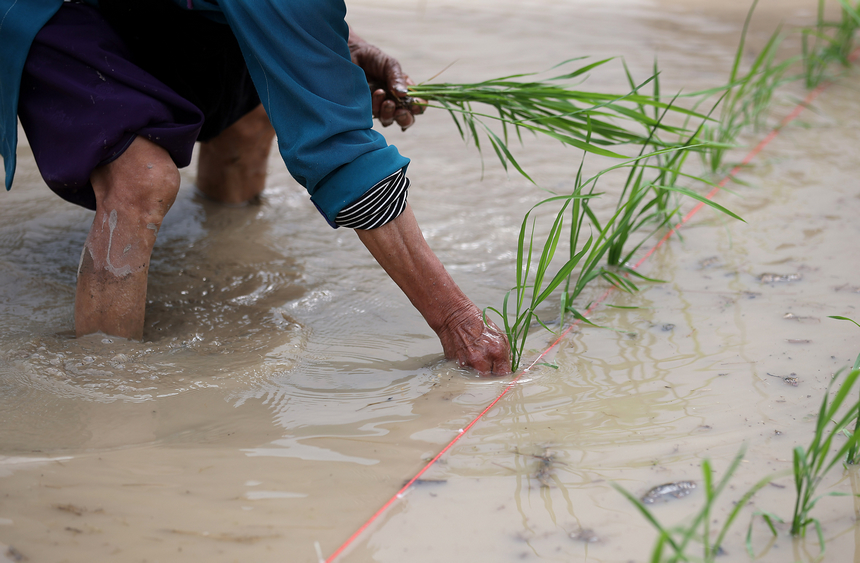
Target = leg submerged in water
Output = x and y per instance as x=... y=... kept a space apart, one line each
x=133 y=194
x=232 y=167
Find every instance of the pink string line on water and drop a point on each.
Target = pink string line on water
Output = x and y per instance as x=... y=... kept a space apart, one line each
x=749 y=157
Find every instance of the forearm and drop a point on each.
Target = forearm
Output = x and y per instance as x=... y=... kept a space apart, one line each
x=401 y=250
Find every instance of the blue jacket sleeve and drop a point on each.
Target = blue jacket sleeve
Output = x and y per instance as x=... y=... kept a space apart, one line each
x=316 y=98
x=20 y=21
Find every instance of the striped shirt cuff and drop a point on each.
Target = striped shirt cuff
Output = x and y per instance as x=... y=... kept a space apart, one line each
x=382 y=203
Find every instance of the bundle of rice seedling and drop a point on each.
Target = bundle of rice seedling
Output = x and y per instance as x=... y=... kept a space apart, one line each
x=552 y=106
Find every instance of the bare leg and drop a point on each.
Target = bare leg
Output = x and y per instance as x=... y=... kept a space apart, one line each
x=133 y=193
x=232 y=166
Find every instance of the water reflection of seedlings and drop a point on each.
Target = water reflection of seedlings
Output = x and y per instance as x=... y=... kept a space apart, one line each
x=662 y=493
x=790 y=379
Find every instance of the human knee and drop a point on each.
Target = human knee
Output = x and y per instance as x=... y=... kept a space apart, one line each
x=144 y=181
x=253 y=128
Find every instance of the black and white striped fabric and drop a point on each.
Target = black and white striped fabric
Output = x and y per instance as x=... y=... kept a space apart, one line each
x=382 y=203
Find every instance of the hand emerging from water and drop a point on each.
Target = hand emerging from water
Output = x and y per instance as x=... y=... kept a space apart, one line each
x=389 y=100
x=472 y=343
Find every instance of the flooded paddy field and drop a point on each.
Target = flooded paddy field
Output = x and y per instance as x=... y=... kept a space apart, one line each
x=285 y=389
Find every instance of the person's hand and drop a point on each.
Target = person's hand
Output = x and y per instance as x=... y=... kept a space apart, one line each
x=472 y=343
x=389 y=85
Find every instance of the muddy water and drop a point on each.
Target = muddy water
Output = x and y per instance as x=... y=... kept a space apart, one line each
x=286 y=390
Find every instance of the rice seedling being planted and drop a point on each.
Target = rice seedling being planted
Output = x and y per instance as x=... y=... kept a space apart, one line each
x=535 y=283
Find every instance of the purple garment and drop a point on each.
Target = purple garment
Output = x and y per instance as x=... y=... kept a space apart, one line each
x=83 y=102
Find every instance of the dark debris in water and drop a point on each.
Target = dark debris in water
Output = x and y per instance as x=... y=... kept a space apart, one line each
x=789 y=379
x=225 y=536
x=75 y=509
x=846 y=287
x=585 y=536
x=667 y=491
x=546 y=466
x=426 y=482
x=13 y=554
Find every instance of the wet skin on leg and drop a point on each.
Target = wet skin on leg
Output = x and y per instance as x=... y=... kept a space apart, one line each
x=232 y=167
x=133 y=194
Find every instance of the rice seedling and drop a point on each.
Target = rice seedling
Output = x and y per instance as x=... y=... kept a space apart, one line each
x=646 y=202
x=673 y=543
x=550 y=106
x=811 y=464
x=530 y=291
x=746 y=98
x=828 y=42
x=852 y=456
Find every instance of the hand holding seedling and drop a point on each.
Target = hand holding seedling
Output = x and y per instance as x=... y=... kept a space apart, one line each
x=401 y=250
x=474 y=343
x=388 y=84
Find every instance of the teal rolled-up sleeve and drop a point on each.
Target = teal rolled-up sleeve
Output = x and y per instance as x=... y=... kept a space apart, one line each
x=316 y=98
x=20 y=21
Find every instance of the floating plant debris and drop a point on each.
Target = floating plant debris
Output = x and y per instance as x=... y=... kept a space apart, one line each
x=790 y=379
